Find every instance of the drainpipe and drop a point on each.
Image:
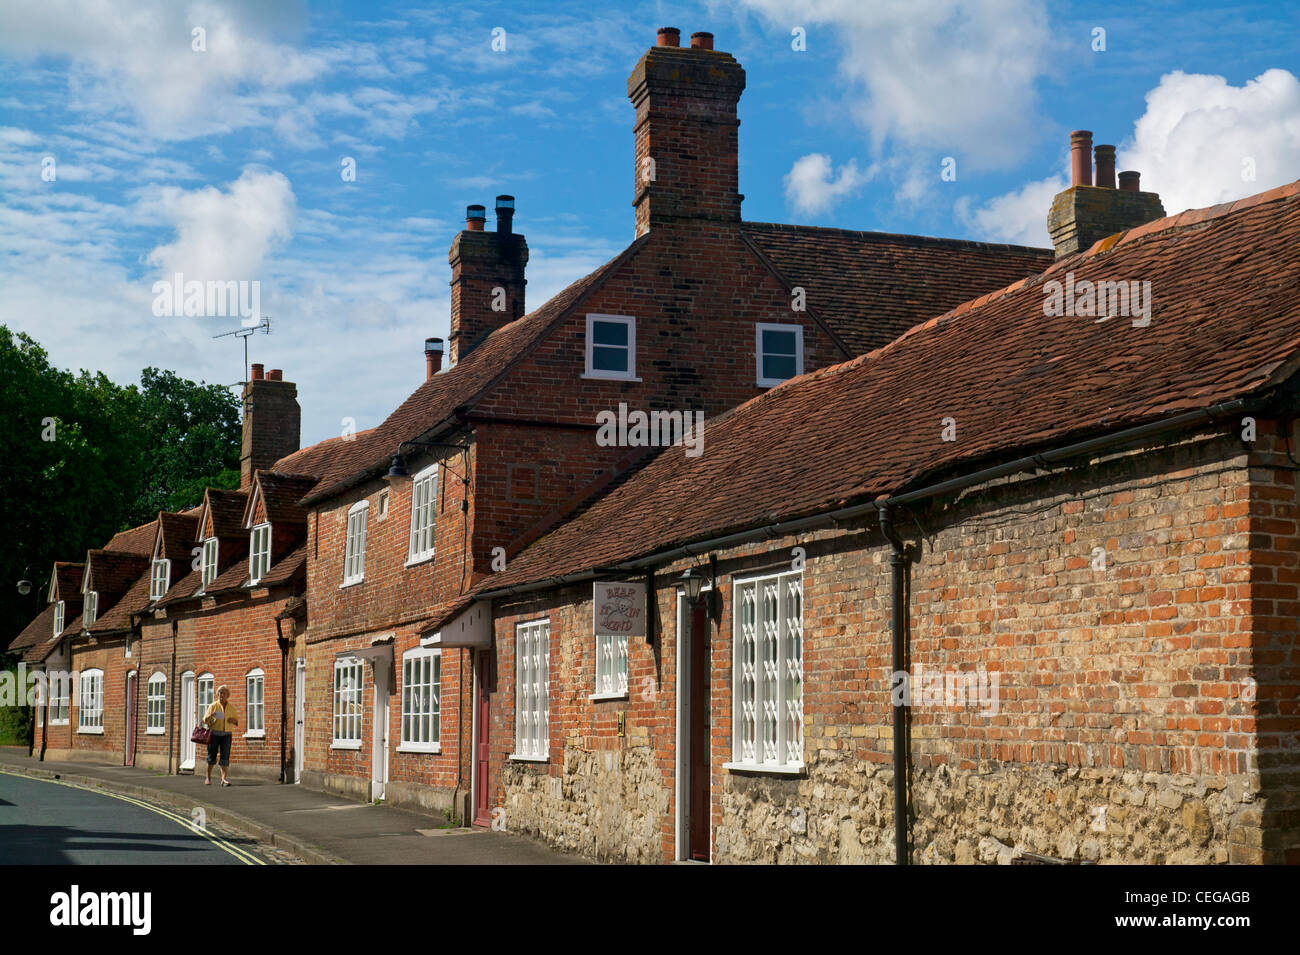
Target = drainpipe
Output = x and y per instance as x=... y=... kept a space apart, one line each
x=897 y=628
x=175 y=708
x=284 y=692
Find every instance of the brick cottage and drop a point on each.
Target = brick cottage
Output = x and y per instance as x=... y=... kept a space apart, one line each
x=364 y=597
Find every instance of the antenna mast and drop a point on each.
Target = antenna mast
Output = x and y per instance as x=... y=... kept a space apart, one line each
x=244 y=333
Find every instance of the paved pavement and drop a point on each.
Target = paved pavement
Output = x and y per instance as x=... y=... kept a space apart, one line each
x=314 y=826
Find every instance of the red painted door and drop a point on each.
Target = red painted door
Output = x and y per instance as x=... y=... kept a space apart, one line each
x=130 y=719
x=482 y=811
x=699 y=735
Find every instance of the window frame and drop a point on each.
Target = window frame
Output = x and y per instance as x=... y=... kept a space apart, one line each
x=264 y=530
x=60 y=682
x=215 y=544
x=156 y=727
x=759 y=329
x=60 y=617
x=347 y=720
x=89 y=609
x=256 y=727
x=604 y=374
x=749 y=736
x=410 y=716
x=532 y=743
x=358 y=555
x=427 y=476
x=92 y=686
x=154 y=577
x=211 y=681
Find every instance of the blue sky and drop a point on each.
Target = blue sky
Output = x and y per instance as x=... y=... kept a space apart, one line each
x=225 y=163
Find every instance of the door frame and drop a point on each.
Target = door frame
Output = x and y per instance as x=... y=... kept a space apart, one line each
x=379 y=730
x=189 y=717
x=682 y=747
x=299 y=716
x=128 y=754
x=479 y=696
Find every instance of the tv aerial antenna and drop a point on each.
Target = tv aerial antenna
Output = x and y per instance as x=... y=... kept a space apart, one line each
x=245 y=334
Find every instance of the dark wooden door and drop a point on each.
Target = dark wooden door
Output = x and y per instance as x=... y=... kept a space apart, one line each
x=699 y=734
x=482 y=811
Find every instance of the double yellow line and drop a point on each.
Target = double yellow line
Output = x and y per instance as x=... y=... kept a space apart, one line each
x=234 y=850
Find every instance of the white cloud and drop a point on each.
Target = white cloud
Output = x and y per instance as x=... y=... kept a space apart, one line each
x=812 y=186
x=223 y=235
x=958 y=77
x=1018 y=217
x=1198 y=130
x=1189 y=146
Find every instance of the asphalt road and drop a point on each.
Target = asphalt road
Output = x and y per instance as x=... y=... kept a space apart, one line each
x=49 y=823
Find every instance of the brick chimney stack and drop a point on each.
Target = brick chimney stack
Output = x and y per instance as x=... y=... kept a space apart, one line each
x=1084 y=213
x=272 y=422
x=687 y=132
x=487 y=277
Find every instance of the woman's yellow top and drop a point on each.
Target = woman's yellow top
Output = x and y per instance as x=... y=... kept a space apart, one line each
x=221 y=719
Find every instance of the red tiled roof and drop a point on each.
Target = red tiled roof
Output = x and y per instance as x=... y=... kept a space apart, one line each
x=38 y=631
x=113 y=572
x=183 y=589
x=1225 y=323
x=67 y=580
x=118 y=617
x=314 y=459
x=439 y=398
x=227 y=510
x=870 y=287
x=137 y=540
x=178 y=532
x=280 y=493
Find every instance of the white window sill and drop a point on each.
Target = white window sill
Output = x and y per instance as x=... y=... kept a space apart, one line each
x=528 y=759
x=255 y=734
x=253 y=583
x=420 y=748
x=419 y=559
x=346 y=744
x=595 y=377
x=795 y=769
x=155 y=732
x=772 y=382
x=351 y=583
x=91 y=730
x=58 y=722
x=605 y=697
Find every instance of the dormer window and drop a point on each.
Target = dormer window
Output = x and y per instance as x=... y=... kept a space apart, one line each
x=259 y=553
x=58 y=618
x=90 y=610
x=611 y=347
x=209 y=561
x=160 y=579
x=354 y=548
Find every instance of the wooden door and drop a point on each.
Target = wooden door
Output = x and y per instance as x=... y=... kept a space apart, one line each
x=482 y=742
x=699 y=818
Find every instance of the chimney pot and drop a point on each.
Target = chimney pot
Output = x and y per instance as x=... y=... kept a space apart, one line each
x=275 y=374
x=669 y=36
x=1081 y=157
x=505 y=214
x=258 y=372
x=701 y=41
x=1128 y=180
x=1105 y=166
x=432 y=357
x=474 y=218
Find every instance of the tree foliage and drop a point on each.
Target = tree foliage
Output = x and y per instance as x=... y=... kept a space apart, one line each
x=83 y=457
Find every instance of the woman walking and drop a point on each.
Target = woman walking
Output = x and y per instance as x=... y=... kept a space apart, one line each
x=220 y=717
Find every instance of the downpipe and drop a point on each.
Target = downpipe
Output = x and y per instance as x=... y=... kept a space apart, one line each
x=901 y=708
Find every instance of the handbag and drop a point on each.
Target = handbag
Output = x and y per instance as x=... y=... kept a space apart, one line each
x=201 y=735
